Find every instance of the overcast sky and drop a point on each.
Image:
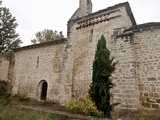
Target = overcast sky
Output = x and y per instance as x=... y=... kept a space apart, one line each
x=37 y=15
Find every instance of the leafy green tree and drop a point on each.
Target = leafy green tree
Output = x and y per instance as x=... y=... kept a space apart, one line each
x=103 y=67
x=9 y=39
x=47 y=35
x=0 y=23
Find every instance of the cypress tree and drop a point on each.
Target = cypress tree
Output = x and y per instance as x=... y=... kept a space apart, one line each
x=103 y=67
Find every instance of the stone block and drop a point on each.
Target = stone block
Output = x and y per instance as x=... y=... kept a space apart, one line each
x=152 y=79
x=158 y=100
x=158 y=89
x=142 y=98
x=151 y=94
x=153 y=89
x=156 y=95
x=150 y=100
x=147 y=89
x=141 y=93
x=145 y=46
x=116 y=91
x=145 y=104
x=146 y=94
x=155 y=106
x=141 y=88
x=158 y=67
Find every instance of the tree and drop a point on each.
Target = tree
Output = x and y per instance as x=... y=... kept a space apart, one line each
x=47 y=35
x=9 y=39
x=103 y=67
x=0 y=23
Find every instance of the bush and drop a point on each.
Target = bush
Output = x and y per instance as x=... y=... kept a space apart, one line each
x=3 y=87
x=22 y=97
x=83 y=106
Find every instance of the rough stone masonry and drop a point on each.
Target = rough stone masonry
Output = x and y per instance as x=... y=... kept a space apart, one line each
x=60 y=71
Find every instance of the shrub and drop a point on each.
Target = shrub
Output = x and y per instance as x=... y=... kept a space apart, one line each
x=3 y=87
x=22 y=97
x=83 y=106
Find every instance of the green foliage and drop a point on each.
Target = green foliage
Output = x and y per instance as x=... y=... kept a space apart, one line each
x=5 y=99
x=47 y=35
x=83 y=106
x=21 y=97
x=0 y=7
x=9 y=112
x=3 y=87
x=103 y=67
x=9 y=39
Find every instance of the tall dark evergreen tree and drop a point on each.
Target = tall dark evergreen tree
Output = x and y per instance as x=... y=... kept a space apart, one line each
x=9 y=39
x=103 y=67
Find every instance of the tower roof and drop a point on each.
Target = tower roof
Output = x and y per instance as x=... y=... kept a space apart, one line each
x=125 y=4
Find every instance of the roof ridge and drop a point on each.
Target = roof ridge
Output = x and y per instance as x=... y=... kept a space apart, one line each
x=144 y=25
x=126 y=4
x=63 y=40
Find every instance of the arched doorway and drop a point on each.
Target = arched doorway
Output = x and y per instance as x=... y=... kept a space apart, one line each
x=43 y=85
x=44 y=91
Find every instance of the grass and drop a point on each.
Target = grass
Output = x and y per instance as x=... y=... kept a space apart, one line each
x=12 y=113
x=9 y=112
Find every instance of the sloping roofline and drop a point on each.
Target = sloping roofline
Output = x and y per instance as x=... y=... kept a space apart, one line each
x=63 y=40
x=144 y=26
x=126 y=4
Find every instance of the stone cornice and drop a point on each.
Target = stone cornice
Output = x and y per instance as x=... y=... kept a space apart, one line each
x=145 y=26
x=63 y=40
x=89 y=21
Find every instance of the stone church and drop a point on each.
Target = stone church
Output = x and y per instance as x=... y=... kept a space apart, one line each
x=61 y=70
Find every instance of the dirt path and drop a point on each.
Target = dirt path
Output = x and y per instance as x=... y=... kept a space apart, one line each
x=50 y=108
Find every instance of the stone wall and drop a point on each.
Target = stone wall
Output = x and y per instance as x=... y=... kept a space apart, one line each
x=147 y=52
x=38 y=64
x=126 y=91
x=4 y=67
x=84 y=36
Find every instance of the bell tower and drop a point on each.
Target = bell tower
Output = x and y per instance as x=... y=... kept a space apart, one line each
x=85 y=8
